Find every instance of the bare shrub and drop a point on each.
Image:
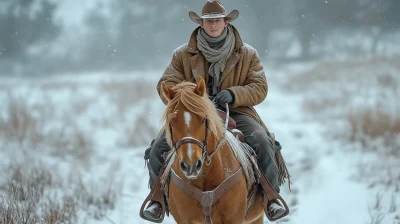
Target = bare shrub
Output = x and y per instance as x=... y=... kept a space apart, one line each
x=19 y=124
x=23 y=198
x=29 y=182
x=70 y=141
x=95 y=201
x=140 y=133
x=368 y=125
x=31 y=195
x=333 y=90
x=80 y=106
x=59 y=212
x=36 y=209
x=14 y=212
x=373 y=124
x=375 y=213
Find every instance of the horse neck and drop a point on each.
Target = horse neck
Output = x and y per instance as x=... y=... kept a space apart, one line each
x=222 y=163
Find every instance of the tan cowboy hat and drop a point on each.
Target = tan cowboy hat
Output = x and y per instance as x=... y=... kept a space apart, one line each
x=212 y=10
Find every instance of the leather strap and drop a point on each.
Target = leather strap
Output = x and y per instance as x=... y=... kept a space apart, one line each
x=207 y=198
x=156 y=195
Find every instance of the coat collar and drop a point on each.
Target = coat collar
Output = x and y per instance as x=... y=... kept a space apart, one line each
x=192 y=44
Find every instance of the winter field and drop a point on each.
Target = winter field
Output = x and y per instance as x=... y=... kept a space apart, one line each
x=72 y=146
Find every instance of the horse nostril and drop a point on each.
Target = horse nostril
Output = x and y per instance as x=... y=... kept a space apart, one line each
x=198 y=165
x=184 y=167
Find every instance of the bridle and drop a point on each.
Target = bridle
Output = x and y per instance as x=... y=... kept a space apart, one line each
x=202 y=145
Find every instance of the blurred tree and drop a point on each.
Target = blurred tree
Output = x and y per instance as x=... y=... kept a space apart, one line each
x=382 y=17
x=316 y=17
x=99 y=51
x=24 y=24
x=135 y=34
x=268 y=18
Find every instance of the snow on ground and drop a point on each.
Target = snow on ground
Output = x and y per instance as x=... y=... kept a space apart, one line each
x=114 y=119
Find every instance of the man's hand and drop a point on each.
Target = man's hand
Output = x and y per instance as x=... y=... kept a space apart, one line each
x=224 y=97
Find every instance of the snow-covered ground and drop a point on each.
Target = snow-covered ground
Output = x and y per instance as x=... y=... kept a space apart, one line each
x=90 y=134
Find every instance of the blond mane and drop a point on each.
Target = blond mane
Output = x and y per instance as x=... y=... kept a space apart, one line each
x=200 y=105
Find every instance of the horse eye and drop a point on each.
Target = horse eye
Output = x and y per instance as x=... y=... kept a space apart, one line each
x=170 y=123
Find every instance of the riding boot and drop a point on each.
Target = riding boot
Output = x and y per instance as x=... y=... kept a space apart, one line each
x=154 y=154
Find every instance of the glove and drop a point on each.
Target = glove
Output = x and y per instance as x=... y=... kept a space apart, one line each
x=223 y=97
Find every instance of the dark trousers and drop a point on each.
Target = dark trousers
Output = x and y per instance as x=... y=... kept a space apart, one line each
x=254 y=135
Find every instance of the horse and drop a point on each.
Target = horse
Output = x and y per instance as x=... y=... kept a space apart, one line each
x=209 y=174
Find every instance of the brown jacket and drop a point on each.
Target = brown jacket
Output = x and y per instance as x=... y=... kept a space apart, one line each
x=243 y=74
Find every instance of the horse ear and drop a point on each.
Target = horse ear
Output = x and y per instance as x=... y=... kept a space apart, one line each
x=168 y=92
x=201 y=87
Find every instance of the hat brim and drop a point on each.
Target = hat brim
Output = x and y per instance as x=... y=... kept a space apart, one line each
x=229 y=18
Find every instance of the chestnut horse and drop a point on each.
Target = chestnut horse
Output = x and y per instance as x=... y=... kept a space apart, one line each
x=205 y=158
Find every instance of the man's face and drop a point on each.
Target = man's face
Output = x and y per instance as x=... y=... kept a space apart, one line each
x=214 y=27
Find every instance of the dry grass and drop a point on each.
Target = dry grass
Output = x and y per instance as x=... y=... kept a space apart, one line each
x=70 y=141
x=25 y=199
x=371 y=125
x=351 y=70
x=94 y=201
x=44 y=128
x=24 y=182
x=142 y=132
x=127 y=93
x=55 y=86
x=333 y=88
x=358 y=103
x=60 y=212
x=28 y=197
x=16 y=212
x=21 y=126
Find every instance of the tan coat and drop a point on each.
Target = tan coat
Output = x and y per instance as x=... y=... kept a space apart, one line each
x=243 y=75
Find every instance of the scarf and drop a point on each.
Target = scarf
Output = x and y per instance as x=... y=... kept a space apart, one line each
x=216 y=56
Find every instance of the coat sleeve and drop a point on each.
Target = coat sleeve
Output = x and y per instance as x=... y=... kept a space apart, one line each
x=173 y=74
x=255 y=89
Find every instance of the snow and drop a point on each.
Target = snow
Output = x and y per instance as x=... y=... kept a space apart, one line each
x=324 y=187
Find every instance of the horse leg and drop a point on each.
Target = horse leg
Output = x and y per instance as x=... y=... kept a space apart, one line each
x=259 y=220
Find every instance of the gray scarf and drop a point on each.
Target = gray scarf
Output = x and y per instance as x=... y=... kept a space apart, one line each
x=216 y=56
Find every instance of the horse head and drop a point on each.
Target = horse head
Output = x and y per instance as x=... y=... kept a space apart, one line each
x=190 y=118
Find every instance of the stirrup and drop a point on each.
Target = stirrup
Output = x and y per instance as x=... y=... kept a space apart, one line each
x=156 y=195
x=149 y=216
x=283 y=212
x=270 y=196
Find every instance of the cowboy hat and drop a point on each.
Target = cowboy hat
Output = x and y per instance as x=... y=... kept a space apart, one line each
x=212 y=10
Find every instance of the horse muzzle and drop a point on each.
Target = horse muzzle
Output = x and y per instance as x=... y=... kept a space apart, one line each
x=191 y=171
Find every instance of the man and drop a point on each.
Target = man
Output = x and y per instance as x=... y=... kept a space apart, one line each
x=234 y=75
